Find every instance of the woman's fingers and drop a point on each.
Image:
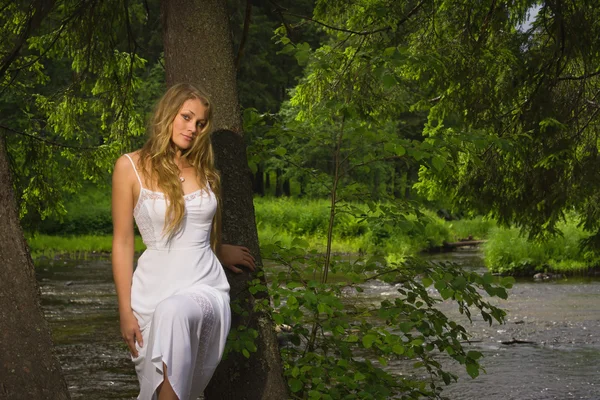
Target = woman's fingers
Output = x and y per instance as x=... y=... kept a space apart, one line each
x=131 y=344
x=131 y=338
x=138 y=337
x=233 y=268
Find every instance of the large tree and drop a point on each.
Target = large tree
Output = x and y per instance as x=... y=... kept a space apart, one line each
x=198 y=49
x=105 y=74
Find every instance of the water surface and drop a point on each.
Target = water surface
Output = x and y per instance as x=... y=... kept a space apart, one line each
x=561 y=319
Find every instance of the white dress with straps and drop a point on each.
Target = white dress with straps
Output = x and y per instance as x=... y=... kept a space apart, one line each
x=179 y=295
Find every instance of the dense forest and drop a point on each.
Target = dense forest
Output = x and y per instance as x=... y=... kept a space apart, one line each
x=378 y=128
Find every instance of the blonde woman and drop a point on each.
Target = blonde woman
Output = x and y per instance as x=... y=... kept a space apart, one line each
x=174 y=309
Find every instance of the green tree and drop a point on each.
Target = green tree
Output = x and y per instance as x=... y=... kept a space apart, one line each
x=95 y=112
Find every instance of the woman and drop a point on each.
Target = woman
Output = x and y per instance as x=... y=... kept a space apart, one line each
x=174 y=309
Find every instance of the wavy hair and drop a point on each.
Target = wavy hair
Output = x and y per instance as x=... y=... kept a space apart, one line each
x=157 y=158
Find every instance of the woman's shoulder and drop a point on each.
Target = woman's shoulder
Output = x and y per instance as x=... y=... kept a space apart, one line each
x=126 y=161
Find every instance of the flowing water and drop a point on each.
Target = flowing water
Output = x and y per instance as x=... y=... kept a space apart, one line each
x=559 y=319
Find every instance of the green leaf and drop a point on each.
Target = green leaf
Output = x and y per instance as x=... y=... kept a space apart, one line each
x=358 y=376
x=438 y=163
x=352 y=338
x=295 y=385
x=389 y=81
x=406 y=326
x=280 y=151
x=278 y=318
x=507 y=282
x=398 y=349
x=246 y=353
x=473 y=370
x=368 y=340
x=427 y=281
x=446 y=293
x=488 y=278
x=474 y=355
x=295 y=371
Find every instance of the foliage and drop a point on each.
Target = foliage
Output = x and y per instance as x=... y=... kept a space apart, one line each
x=284 y=219
x=68 y=95
x=508 y=252
x=341 y=341
x=41 y=245
x=517 y=107
x=498 y=114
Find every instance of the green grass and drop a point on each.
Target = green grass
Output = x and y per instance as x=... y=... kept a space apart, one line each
x=285 y=219
x=51 y=245
x=87 y=228
x=508 y=252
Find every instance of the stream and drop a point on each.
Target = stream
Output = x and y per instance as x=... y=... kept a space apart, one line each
x=560 y=319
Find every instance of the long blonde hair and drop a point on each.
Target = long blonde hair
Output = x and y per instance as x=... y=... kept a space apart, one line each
x=157 y=158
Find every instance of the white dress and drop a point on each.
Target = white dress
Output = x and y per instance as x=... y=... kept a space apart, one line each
x=179 y=295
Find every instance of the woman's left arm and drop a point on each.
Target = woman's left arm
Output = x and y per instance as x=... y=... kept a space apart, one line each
x=231 y=255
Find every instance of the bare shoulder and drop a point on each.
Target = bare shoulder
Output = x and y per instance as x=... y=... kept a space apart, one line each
x=124 y=169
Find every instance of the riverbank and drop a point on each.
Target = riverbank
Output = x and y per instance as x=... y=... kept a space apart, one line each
x=282 y=221
x=86 y=230
x=507 y=252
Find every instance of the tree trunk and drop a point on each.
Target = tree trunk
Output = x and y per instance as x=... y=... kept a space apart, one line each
x=198 y=50
x=287 y=188
x=28 y=367
x=267 y=180
x=259 y=180
x=278 y=182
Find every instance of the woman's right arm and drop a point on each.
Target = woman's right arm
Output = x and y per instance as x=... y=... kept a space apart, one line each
x=123 y=249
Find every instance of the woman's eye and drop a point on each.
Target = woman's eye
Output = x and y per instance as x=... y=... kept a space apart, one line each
x=186 y=117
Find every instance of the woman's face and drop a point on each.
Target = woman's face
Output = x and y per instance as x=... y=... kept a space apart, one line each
x=188 y=122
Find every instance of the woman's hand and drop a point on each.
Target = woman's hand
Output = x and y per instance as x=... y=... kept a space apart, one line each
x=231 y=255
x=130 y=330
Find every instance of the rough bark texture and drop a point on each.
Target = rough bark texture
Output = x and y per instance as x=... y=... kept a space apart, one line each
x=28 y=367
x=260 y=376
x=198 y=50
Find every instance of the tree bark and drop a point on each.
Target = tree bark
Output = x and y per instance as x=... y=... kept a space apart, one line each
x=28 y=367
x=258 y=183
x=199 y=50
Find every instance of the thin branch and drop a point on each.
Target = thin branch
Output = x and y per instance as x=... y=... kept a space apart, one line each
x=49 y=142
x=372 y=161
x=63 y=26
x=36 y=16
x=578 y=78
x=360 y=33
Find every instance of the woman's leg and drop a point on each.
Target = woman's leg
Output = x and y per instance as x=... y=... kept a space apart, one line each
x=165 y=390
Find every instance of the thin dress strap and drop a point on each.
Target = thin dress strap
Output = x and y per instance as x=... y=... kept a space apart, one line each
x=135 y=170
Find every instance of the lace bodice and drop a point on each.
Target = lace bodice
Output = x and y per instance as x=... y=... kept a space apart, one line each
x=149 y=214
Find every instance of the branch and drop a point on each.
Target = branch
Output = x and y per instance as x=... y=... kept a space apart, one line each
x=244 y=34
x=361 y=33
x=36 y=16
x=56 y=144
x=578 y=78
x=282 y=11
x=372 y=161
x=63 y=26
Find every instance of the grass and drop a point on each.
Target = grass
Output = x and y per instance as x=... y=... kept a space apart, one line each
x=74 y=246
x=508 y=252
x=278 y=219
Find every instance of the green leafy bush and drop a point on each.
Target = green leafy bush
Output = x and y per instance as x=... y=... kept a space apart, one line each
x=339 y=342
x=507 y=251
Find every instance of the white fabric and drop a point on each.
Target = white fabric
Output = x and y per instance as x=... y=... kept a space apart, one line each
x=179 y=295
